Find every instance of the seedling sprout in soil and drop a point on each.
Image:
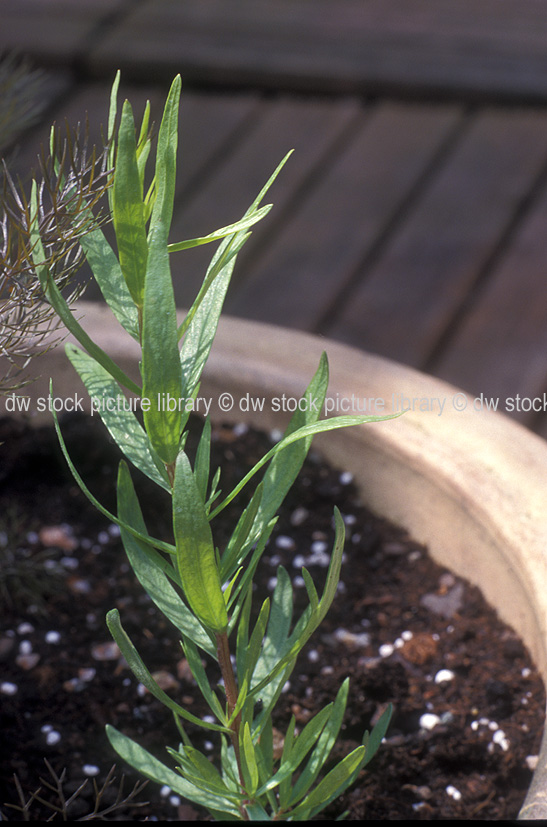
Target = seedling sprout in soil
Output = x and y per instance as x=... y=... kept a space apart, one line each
x=205 y=591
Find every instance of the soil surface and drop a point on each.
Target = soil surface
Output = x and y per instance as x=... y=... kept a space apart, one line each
x=468 y=704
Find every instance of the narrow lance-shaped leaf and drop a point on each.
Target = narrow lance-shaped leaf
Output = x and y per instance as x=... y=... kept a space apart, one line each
x=128 y=209
x=248 y=761
x=315 y=614
x=144 y=762
x=149 y=541
x=302 y=433
x=323 y=747
x=201 y=322
x=108 y=275
x=217 y=235
x=116 y=413
x=285 y=467
x=333 y=782
x=196 y=559
x=140 y=671
x=161 y=371
x=152 y=569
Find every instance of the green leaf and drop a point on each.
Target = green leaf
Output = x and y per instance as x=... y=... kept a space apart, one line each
x=200 y=771
x=238 y=542
x=285 y=467
x=332 y=784
x=312 y=618
x=276 y=644
x=112 y=112
x=301 y=433
x=249 y=656
x=249 y=765
x=265 y=747
x=373 y=741
x=199 y=326
x=152 y=570
x=122 y=424
x=142 y=674
x=161 y=370
x=248 y=574
x=203 y=459
x=298 y=750
x=196 y=667
x=144 y=145
x=217 y=235
x=149 y=541
x=196 y=559
x=128 y=209
x=323 y=747
x=256 y=812
x=153 y=769
x=108 y=275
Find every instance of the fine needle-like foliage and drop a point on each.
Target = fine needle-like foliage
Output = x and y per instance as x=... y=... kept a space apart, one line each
x=70 y=178
x=204 y=590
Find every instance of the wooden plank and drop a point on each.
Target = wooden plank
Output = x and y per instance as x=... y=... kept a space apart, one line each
x=208 y=127
x=344 y=216
x=500 y=348
x=312 y=128
x=57 y=31
x=493 y=49
x=406 y=301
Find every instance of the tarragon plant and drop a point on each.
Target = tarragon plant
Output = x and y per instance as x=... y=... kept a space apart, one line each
x=205 y=591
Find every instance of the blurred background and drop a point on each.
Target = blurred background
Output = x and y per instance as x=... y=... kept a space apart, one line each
x=411 y=219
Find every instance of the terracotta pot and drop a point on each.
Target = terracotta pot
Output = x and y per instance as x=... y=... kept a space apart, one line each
x=469 y=483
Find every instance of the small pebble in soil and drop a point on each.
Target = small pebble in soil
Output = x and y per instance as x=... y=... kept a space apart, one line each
x=90 y=770
x=53 y=737
x=501 y=739
x=444 y=675
x=53 y=637
x=453 y=792
x=8 y=688
x=105 y=651
x=299 y=516
x=58 y=536
x=348 y=638
x=429 y=721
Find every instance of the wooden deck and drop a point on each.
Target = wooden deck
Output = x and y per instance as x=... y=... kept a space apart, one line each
x=411 y=219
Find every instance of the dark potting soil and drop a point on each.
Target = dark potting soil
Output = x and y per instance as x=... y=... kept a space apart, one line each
x=468 y=704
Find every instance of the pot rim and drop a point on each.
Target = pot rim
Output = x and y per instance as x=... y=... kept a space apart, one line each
x=445 y=463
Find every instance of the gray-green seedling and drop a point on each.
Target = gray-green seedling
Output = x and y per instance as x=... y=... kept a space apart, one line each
x=205 y=591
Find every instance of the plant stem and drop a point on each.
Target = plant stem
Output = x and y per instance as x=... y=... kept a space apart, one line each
x=230 y=685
